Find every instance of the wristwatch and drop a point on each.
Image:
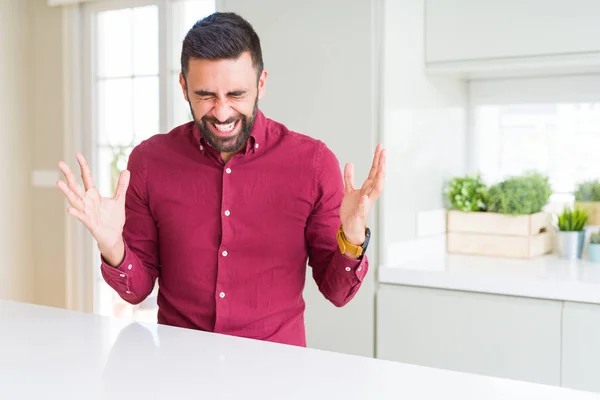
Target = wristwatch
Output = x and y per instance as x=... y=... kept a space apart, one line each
x=346 y=246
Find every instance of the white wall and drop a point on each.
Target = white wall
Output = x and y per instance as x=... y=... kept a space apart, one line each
x=322 y=82
x=32 y=232
x=48 y=203
x=16 y=271
x=423 y=126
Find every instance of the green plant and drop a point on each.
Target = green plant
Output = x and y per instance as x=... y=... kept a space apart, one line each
x=519 y=195
x=595 y=238
x=467 y=193
x=572 y=220
x=588 y=191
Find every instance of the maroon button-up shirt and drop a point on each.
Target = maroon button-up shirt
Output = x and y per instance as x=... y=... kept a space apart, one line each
x=229 y=242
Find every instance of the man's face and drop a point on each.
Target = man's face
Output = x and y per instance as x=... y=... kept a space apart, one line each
x=223 y=97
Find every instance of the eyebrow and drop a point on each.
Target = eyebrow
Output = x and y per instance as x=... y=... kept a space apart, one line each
x=207 y=93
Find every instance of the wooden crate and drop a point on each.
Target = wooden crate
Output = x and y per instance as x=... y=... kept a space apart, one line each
x=593 y=209
x=499 y=235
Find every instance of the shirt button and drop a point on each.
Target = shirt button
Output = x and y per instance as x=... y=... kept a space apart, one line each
x=224 y=253
x=201 y=147
x=228 y=170
x=347 y=269
x=222 y=294
x=227 y=213
x=256 y=145
x=129 y=266
x=128 y=292
x=122 y=275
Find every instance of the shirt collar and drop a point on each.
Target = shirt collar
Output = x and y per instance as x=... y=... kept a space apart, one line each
x=255 y=140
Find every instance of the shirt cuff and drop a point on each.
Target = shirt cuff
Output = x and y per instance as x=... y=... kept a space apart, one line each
x=119 y=277
x=356 y=267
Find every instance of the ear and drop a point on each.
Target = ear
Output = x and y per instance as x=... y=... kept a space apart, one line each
x=183 y=87
x=262 y=80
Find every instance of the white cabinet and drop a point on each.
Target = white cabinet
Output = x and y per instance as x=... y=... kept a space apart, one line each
x=581 y=346
x=493 y=31
x=503 y=336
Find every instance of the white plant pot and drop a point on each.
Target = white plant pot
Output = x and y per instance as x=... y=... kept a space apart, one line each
x=569 y=245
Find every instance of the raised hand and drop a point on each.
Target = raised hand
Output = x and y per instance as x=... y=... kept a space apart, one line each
x=104 y=217
x=357 y=203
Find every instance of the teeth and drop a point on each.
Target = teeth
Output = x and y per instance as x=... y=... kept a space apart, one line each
x=225 y=128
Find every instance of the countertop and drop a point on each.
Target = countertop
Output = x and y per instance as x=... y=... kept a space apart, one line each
x=546 y=277
x=48 y=353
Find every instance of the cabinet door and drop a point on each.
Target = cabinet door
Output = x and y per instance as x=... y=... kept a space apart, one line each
x=581 y=346
x=502 y=336
x=462 y=30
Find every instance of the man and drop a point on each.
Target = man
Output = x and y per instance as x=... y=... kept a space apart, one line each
x=227 y=209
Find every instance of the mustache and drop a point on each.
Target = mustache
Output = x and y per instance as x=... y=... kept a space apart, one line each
x=216 y=121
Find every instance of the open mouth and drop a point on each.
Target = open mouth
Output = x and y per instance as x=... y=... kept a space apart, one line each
x=225 y=129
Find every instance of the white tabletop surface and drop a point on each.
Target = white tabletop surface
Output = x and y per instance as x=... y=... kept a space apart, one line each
x=546 y=277
x=48 y=353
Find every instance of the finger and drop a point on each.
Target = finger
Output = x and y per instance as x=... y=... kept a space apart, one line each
x=73 y=199
x=71 y=181
x=377 y=187
x=122 y=186
x=86 y=173
x=349 y=178
x=375 y=164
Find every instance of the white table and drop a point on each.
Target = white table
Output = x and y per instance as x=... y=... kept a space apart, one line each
x=48 y=353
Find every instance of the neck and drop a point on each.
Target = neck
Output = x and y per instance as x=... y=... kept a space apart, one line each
x=227 y=156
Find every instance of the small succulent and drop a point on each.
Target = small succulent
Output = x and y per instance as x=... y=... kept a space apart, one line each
x=595 y=238
x=572 y=220
x=588 y=191
x=467 y=193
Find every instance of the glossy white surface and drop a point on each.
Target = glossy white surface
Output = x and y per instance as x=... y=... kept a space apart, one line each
x=48 y=353
x=545 y=277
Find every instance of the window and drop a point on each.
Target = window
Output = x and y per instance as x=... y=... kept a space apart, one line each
x=548 y=125
x=132 y=73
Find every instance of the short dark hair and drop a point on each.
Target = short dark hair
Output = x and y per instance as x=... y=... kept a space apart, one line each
x=221 y=35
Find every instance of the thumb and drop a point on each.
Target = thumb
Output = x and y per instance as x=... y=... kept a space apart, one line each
x=349 y=178
x=122 y=186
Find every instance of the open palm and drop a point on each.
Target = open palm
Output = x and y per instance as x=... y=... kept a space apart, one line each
x=104 y=217
x=357 y=203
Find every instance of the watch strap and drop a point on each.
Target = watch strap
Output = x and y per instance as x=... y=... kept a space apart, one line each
x=347 y=247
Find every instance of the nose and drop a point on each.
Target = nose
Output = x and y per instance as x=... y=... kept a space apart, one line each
x=222 y=111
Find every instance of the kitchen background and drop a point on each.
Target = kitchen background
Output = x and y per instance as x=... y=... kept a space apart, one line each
x=452 y=89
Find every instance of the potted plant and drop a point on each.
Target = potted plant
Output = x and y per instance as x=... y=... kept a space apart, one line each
x=571 y=234
x=594 y=247
x=467 y=193
x=520 y=195
x=510 y=221
x=587 y=196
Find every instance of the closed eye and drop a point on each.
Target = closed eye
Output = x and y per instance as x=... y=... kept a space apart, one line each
x=236 y=94
x=205 y=95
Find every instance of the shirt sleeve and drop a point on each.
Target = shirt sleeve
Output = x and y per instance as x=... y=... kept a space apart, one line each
x=134 y=278
x=337 y=276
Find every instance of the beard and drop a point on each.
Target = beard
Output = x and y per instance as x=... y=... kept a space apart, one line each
x=227 y=144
